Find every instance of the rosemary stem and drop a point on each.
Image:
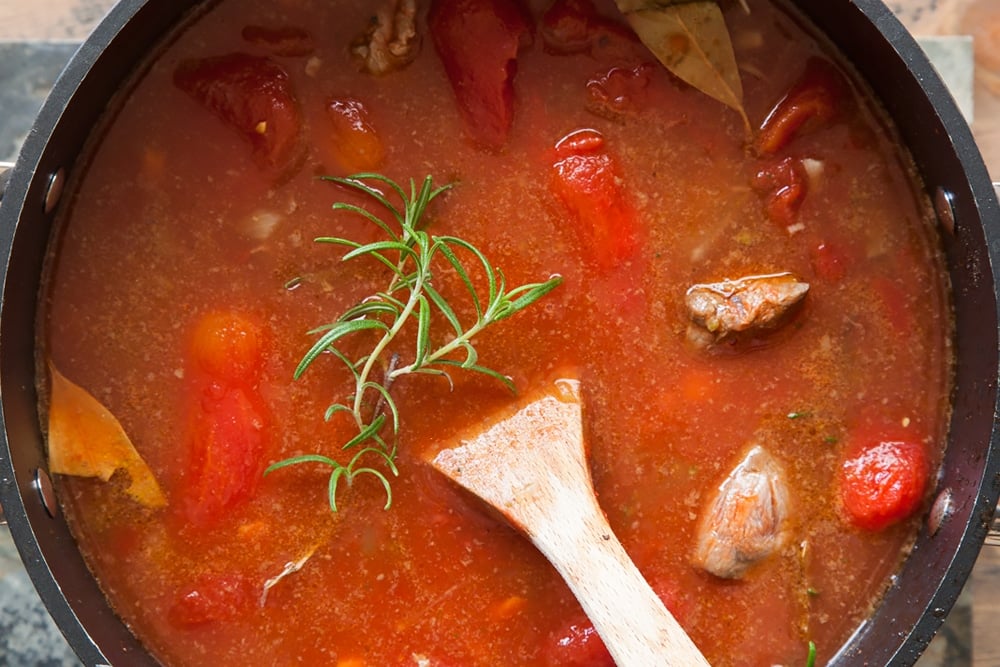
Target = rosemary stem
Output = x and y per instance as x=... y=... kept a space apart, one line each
x=376 y=353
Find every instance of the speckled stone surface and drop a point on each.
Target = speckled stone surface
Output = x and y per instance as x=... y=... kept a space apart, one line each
x=27 y=72
x=28 y=637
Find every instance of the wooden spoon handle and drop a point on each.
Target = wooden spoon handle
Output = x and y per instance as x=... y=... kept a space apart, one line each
x=531 y=466
x=635 y=625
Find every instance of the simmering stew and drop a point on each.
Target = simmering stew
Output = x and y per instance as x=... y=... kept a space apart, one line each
x=751 y=294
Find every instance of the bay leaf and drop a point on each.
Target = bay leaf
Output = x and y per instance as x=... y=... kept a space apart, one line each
x=690 y=38
x=86 y=440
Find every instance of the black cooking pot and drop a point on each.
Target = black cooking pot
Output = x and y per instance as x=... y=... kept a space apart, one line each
x=884 y=55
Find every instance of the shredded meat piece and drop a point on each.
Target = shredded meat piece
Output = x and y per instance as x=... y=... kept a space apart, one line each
x=748 y=305
x=746 y=521
x=391 y=41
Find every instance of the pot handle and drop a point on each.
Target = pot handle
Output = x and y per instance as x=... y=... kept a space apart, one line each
x=5 y=168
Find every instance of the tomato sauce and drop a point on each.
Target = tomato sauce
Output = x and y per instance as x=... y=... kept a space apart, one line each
x=184 y=216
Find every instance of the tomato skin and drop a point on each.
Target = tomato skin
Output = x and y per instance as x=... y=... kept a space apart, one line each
x=620 y=91
x=478 y=42
x=882 y=481
x=814 y=101
x=586 y=181
x=251 y=94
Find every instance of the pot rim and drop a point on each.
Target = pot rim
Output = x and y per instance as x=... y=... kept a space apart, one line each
x=36 y=168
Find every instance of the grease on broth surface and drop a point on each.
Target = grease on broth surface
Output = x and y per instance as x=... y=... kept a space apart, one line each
x=180 y=217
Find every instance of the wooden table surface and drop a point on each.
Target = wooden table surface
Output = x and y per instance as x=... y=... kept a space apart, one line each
x=74 y=19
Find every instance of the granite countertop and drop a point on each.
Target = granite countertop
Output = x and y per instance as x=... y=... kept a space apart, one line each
x=37 y=38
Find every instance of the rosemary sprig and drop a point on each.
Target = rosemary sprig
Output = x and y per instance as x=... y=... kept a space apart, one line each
x=411 y=298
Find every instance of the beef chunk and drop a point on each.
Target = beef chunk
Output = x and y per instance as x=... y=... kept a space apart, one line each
x=748 y=306
x=391 y=41
x=746 y=521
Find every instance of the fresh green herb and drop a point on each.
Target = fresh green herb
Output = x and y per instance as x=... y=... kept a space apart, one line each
x=811 y=658
x=812 y=592
x=830 y=440
x=411 y=298
x=798 y=415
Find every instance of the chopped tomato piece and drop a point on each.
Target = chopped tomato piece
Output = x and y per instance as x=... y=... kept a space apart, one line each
x=228 y=347
x=478 y=42
x=813 y=102
x=575 y=26
x=577 y=645
x=286 y=41
x=225 y=449
x=213 y=597
x=356 y=145
x=785 y=185
x=882 y=480
x=829 y=261
x=253 y=95
x=586 y=181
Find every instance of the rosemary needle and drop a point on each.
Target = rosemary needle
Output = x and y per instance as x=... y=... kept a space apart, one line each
x=410 y=254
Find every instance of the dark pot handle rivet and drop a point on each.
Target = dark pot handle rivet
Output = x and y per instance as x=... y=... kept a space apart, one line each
x=945 y=209
x=941 y=511
x=54 y=190
x=43 y=485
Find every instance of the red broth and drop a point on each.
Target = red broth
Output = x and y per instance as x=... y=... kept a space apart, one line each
x=178 y=216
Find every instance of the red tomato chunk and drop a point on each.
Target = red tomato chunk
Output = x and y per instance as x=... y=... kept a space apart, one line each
x=883 y=482
x=815 y=101
x=586 y=181
x=478 y=42
x=251 y=94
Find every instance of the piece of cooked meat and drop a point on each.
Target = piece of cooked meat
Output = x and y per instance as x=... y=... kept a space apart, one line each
x=746 y=521
x=391 y=41
x=748 y=305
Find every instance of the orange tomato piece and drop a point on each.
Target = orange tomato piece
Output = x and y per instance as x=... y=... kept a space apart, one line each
x=355 y=143
x=228 y=347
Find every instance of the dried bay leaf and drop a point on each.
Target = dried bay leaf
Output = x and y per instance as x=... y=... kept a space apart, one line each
x=690 y=38
x=86 y=440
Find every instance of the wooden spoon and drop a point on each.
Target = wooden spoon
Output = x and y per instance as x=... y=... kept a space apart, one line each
x=531 y=466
